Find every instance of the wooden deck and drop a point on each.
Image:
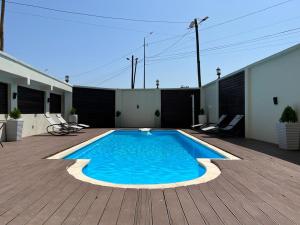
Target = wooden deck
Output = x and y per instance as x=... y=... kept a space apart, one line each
x=263 y=188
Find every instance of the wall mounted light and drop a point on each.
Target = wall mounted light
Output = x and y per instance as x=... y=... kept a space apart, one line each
x=15 y=94
x=275 y=100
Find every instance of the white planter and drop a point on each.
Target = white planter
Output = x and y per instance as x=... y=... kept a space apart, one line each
x=288 y=135
x=73 y=118
x=14 y=129
x=202 y=119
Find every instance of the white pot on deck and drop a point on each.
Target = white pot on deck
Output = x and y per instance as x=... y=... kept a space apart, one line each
x=73 y=118
x=202 y=119
x=288 y=135
x=14 y=128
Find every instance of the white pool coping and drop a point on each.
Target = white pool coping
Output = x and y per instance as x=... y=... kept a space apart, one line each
x=76 y=170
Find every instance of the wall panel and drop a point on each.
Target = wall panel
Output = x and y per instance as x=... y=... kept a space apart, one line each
x=94 y=106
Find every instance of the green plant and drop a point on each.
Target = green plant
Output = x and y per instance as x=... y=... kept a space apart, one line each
x=289 y=115
x=118 y=113
x=201 y=112
x=15 y=113
x=157 y=113
x=73 y=111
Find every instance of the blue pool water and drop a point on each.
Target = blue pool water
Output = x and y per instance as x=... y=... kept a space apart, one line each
x=135 y=157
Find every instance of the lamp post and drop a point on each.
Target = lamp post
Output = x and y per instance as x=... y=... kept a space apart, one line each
x=157 y=84
x=67 y=78
x=218 y=72
x=195 y=24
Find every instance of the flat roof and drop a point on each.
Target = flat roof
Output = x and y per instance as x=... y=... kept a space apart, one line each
x=17 y=67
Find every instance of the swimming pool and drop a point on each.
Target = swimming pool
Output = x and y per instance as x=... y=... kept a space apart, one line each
x=144 y=158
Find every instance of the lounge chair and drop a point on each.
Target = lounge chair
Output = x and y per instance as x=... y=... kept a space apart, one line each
x=229 y=127
x=1 y=129
x=62 y=120
x=221 y=119
x=60 y=128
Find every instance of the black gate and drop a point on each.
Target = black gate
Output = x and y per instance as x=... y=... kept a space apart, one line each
x=176 y=107
x=95 y=106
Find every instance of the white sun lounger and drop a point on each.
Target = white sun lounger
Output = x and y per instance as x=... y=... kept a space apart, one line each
x=60 y=128
x=62 y=120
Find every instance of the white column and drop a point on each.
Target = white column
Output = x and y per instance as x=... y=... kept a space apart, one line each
x=47 y=104
x=12 y=103
x=67 y=104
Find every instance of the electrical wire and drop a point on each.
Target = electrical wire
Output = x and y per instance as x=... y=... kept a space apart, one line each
x=247 y=15
x=95 y=15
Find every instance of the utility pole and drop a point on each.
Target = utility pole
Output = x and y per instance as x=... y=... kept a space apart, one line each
x=194 y=24
x=136 y=62
x=132 y=66
x=2 y=25
x=132 y=71
x=198 y=52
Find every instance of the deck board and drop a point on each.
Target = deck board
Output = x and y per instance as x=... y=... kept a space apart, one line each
x=263 y=188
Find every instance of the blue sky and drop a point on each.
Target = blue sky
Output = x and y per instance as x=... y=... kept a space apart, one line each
x=93 y=51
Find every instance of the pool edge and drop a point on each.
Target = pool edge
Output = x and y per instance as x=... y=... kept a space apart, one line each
x=212 y=171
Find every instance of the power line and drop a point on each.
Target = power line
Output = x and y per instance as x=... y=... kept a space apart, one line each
x=77 y=21
x=247 y=15
x=107 y=64
x=95 y=15
x=261 y=38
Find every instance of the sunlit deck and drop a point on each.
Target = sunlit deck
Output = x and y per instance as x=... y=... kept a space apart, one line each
x=263 y=188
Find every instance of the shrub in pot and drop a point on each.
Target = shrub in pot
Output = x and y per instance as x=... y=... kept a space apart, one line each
x=288 y=130
x=73 y=117
x=14 y=125
x=202 y=118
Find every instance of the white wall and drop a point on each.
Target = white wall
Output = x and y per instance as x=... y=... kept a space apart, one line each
x=210 y=93
x=148 y=100
x=277 y=77
x=15 y=73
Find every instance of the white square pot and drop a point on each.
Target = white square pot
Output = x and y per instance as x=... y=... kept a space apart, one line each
x=14 y=129
x=288 y=135
x=73 y=118
x=202 y=119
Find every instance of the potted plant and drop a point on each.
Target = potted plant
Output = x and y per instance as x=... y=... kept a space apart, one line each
x=202 y=118
x=288 y=130
x=14 y=126
x=73 y=117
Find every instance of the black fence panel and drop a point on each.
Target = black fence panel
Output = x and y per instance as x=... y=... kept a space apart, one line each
x=176 y=107
x=94 y=106
x=232 y=99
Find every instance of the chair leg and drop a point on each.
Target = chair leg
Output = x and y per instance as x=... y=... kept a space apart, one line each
x=1 y=144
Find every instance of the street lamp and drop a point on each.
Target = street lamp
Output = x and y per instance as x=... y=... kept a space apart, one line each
x=218 y=72
x=157 y=84
x=194 y=24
